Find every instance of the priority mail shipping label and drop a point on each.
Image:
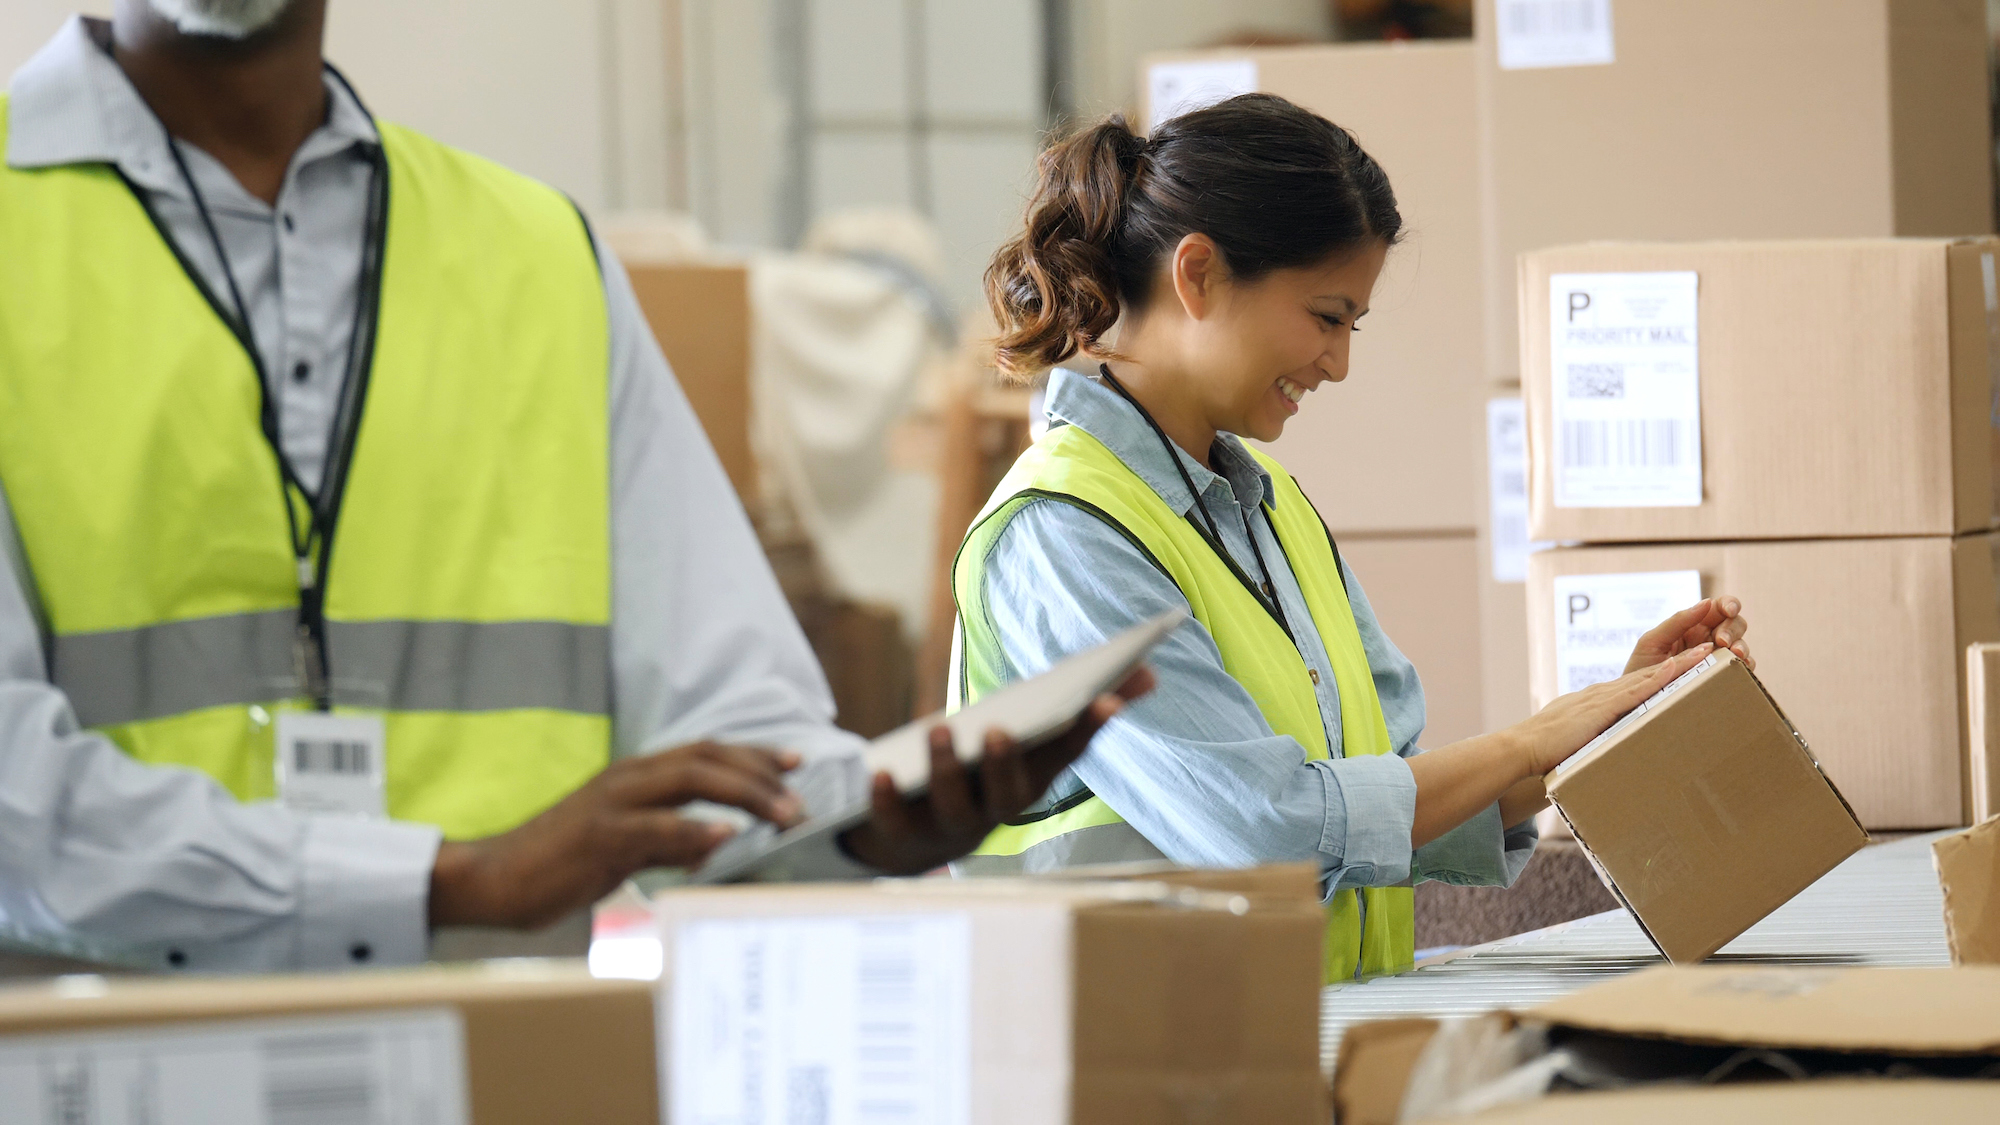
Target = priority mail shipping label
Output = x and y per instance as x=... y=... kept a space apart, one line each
x=1600 y=617
x=1174 y=88
x=1625 y=390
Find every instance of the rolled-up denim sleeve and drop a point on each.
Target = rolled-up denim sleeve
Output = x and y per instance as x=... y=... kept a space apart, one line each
x=1193 y=766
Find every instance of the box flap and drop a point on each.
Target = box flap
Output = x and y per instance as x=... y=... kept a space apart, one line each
x=1826 y=1102
x=1928 y=1011
x=1968 y=867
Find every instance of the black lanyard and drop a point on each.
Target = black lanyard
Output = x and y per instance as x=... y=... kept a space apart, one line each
x=1268 y=598
x=312 y=544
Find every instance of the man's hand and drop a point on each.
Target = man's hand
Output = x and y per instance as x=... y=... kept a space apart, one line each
x=909 y=837
x=618 y=823
x=1718 y=621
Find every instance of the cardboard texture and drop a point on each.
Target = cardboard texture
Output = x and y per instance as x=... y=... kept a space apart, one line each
x=1968 y=867
x=700 y=313
x=1412 y=383
x=1718 y=119
x=1915 y=1012
x=1706 y=813
x=1982 y=726
x=543 y=1041
x=1425 y=592
x=1846 y=390
x=1165 y=998
x=1885 y=716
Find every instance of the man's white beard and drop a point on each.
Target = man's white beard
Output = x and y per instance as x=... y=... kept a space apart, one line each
x=223 y=19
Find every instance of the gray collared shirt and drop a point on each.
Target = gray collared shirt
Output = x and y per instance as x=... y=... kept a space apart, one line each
x=703 y=645
x=1194 y=766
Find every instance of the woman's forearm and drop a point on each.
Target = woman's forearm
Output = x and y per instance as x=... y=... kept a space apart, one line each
x=1454 y=782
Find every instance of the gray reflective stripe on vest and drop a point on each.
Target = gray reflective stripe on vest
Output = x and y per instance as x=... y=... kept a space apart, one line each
x=1100 y=843
x=132 y=675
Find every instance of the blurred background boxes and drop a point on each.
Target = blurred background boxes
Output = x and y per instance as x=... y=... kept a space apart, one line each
x=1861 y=640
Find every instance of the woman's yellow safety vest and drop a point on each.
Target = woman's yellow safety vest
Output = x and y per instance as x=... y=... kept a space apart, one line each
x=1371 y=930
x=467 y=596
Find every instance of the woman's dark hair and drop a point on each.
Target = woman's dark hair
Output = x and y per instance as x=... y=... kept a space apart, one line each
x=1275 y=187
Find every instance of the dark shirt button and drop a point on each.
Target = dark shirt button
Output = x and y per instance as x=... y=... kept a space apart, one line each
x=302 y=372
x=361 y=951
x=288 y=223
x=176 y=958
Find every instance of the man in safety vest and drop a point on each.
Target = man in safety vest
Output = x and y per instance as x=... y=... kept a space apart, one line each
x=339 y=474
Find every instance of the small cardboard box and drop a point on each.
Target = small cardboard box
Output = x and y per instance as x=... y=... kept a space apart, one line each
x=1676 y=1024
x=1704 y=810
x=1017 y=1001
x=1702 y=119
x=1885 y=714
x=1844 y=389
x=1415 y=374
x=1968 y=866
x=1982 y=730
x=513 y=1043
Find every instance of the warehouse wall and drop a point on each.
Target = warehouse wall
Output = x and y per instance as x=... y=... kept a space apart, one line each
x=573 y=94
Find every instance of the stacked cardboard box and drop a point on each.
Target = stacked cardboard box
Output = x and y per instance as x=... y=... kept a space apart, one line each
x=1391 y=456
x=1808 y=426
x=1707 y=119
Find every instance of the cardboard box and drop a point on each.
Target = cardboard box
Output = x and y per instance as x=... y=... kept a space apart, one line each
x=1845 y=389
x=1861 y=638
x=1673 y=1025
x=1968 y=866
x=1016 y=1001
x=1705 y=810
x=700 y=312
x=1425 y=592
x=1702 y=119
x=1393 y=448
x=1503 y=551
x=517 y=1043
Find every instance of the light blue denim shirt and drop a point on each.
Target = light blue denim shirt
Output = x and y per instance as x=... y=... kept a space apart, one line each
x=1194 y=766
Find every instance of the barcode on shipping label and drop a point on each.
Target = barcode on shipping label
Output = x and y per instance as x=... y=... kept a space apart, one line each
x=1625 y=389
x=1507 y=489
x=819 y=1020
x=372 y=1068
x=1548 y=33
x=1599 y=618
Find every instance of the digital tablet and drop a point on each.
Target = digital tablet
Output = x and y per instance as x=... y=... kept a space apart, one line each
x=1032 y=711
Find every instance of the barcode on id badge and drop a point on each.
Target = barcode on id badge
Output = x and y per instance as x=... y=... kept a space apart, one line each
x=1634 y=443
x=331 y=756
x=1553 y=17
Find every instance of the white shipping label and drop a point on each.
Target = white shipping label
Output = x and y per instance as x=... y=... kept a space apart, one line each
x=331 y=763
x=1174 y=88
x=1600 y=617
x=821 y=1021
x=1625 y=390
x=1545 y=33
x=1631 y=716
x=376 y=1068
x=1507 y=489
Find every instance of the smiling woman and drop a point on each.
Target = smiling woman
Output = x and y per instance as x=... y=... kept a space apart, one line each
x=1209 y=278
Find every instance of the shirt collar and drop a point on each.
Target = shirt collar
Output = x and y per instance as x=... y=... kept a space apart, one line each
x=72 y=104
x=1090 y=405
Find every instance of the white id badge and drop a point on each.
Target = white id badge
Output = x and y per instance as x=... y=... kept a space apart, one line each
x=331 y=763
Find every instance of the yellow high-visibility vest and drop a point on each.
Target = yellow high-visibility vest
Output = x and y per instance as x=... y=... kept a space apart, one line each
x=467 y=598
x=1371 y=930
